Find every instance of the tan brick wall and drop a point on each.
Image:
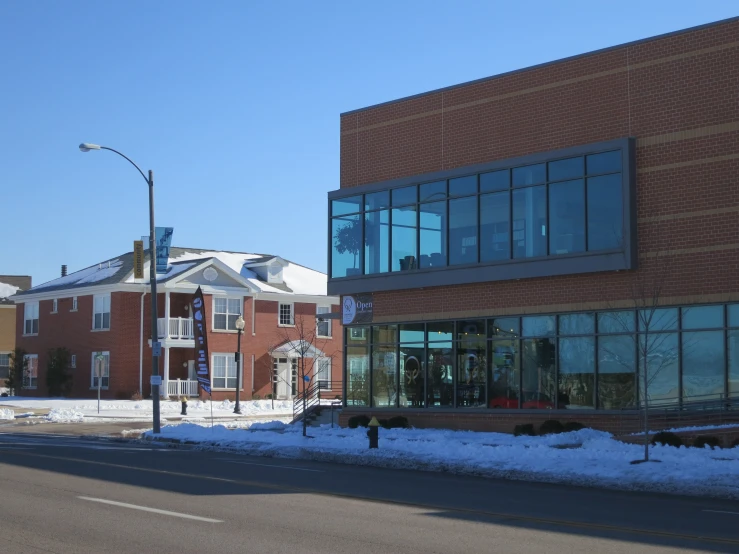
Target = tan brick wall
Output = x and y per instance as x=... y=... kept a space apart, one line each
x=7 y=328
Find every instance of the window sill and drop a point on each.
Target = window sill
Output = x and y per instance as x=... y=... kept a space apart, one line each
x=53 y=312
x=101 y=388
x=227 y=331
x=99 y=330
x=29 y=388
x=224 y=390
x=72 y=310
x=324 y=337
x=30 y=335
x=286 y=325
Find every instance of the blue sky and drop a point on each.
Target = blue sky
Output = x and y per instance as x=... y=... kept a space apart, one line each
x=235 y=106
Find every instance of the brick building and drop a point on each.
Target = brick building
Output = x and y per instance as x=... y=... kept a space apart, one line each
x=9 y=285
x=102 y=316
x=526 y=246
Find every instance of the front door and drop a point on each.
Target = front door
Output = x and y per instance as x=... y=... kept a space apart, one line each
x=283 y=386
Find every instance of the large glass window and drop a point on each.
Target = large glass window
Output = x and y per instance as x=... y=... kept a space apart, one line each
x=616 y=322
x=495 y=180
x=605 y=212
x=616 y=372
x=539 y=377
x=703 y=365
x=463 y=186
x=657 y=319
x=384 y=376
x=567 y=217
x=433 y=228
x=529 y=175
x=505 y=374
x=576 y=324
x=224 y=371
x=566 y=169
x=660 y=353
x=432 y=191
x=346 y=232
x=440 y=375
x=495 y=224
x=357 y=376
x=702 y=317
x=225 y=313
x=403 y=239
x=576 y=373
x=538 y=326
x=530 y=222
x=733 y=362
x=471 y=370
x=376 y=241
x=412 y=375
x=463 y=231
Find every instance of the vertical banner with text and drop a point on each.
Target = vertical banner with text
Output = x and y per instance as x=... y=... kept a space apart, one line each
x=138 y=259
x=201 y=340
x=163 y=237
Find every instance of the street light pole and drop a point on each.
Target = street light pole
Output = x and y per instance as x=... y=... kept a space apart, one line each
x=240 y=324
x=86 y=147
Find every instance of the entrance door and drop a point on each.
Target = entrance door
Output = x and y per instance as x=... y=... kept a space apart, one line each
x=283 y=386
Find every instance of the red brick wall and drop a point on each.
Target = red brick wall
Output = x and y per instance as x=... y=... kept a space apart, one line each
x=677 y=95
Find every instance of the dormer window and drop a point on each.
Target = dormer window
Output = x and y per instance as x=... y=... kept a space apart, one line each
x=274 y=274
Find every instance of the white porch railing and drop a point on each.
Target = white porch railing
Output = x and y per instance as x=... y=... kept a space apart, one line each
x=177 y=328
x=180 y=387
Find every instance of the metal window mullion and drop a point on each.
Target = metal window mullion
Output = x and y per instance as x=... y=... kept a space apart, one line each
x=726 y=351
x=585 y=205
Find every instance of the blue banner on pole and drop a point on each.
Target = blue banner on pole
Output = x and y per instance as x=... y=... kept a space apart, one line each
x=201 y=340
x=163 y=239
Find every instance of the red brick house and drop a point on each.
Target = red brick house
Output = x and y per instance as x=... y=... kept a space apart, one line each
x=102 y=315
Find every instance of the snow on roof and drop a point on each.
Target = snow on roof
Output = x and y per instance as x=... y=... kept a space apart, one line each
x=172 y=270
x=7 y=290
x=87 y=276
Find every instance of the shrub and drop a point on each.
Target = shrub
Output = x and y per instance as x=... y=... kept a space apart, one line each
x=702 y=441
x=384 y=423
x=524 y=429
x=267 y=396
x=59 y=374
x=137 y=396
x=573 y=426
x=398 y=422
x=255 y=396
x=665 y=438
x=4 y=394
x=358 y=421
x=551 y=426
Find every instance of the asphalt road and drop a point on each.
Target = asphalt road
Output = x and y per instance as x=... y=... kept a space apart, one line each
x=68 y=495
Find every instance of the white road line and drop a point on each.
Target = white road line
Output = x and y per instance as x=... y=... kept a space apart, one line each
x=14 y=447
x=722 y=512
x=153 y=510
x=270 y=465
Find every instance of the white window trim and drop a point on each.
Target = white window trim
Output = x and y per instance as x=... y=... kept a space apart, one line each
x=213 y=315
x=55 y=306
x=73 y=361
x=30 y=357
x=239 y=368
x=74 y=304
x=25 y=319
x=92 y=370
x=292 y=314
x=94 y=313
x=5 y=353
x=315 y=370
x=328 y=321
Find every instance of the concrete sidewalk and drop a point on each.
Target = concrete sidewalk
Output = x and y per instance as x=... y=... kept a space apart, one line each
x=102 y=429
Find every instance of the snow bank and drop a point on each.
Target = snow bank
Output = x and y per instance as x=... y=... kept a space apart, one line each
x=57 y=415
x=6 y=413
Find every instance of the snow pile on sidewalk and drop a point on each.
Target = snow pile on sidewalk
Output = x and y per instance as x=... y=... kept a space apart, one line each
x=585 y=457
x=58 y=415
x=6 y=413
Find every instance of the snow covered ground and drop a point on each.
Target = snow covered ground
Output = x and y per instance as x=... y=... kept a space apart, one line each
x=586 y=457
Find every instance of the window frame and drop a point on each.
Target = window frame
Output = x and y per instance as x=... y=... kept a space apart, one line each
x=106 y=374
x=103 y=297
x=73 y=361
x=55 y=306
x=227 y=313
x=292 y=314
x=325 y=321
x=7 y=366
x=32 y=379
x=317 y=370
x=74 y=304
x=26 y=319
x=238 y=368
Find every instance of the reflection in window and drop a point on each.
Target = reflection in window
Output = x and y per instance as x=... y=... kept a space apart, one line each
x=657 y=319
x=432 y=191
x=702 y=317
x=567 y=217
x=376 y=241
x=384 y=334
x=529 y=175
x=616 y=322
x=607 y=162
x=538 y=326
x=576 y=324
x=357 y=376
x=539 y=378
x=530 y=222
x=377 y=200
x=471 y=369
x=605 y=212
x=495 y=180
x=463 y=231
x=412 y=332
x=347 y=242
x=343 y=206
x=403 y=196
x=733 y=313
x=616 y=372
x=403 y=239
x=384 y=376
x=495 y=223
x=733 y=362
x=570 y=168
x=433 y=234
x=440 y=331
x=505 y=374
x=661 y=353
x=703 y=365
x=412 y=375
x=576 y=373
x=463 y=186
x=440 y=375
x=504 y=327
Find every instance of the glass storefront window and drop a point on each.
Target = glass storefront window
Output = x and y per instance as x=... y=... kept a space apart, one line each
x=539 y=377
x=567 y=217
x=703 y=365
x=570 y=168
x=530 y=222
x=538 y=326
x=463 y=186
x=346 y=232
x=661 y=353
x=504 y=327
x=403 y=239
x=505 y=374
x=384 y=334
x=471 y=330
x=403 y=196
x=343 y=206
x=495 y=223
x=471 y=370
x=605 y=212
x=384 y=376
x=440 y=331
x=433 y=234
x=616 y=372
x=576 y=373
x=377 y=200
x=412 y=332
x=376 y=242
x=432 y=191
x=616 y=322
x=702 y=317
x=440 y=375
x=412 y=375
x=733 y=362
x=463 y=231
x=657 y=319
x=576 y=324
x=529 y=175
x=357 y=376
x=733 y=314
x=606 y=162
x=495 y=180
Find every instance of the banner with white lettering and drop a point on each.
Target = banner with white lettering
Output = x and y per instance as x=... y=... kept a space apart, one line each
x=201 y=340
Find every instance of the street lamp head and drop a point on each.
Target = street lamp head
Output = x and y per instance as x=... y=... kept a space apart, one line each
x=87 y=146
x=240 y=323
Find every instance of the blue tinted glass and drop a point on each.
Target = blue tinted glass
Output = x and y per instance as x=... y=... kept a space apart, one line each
x=529 y=175
x=463 y=231
x=403 y=239
x=344 y=206
x=504 y=327
x=346 y=234
x=733 y=315
x=576 y=324
x=567 y=217
x=607 y=162
x=530 y=222
x=405 y=195
x=657 y=319
x=495 y=226
x=570 y=168
x=433 y=234
x=702 y=317
x=463 y=186
x=662 y=368
x=616 y=322
x=440 y=331
x=433 y=191
x=376 y=241
x=605 y=212
x=703 y=364
x=377 y=200
x=538 y=326
x=412 y=332
x=497 y=180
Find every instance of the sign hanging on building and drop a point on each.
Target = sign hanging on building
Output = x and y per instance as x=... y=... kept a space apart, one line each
x=138 y=259
x=356 y=309
x=201 y=340
x=163 y=237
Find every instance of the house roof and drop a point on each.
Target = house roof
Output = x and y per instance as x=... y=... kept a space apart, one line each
x=11 y=284
x=119 y=270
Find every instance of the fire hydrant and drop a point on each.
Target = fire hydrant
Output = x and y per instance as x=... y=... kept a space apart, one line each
x=184 y=405
x=373 y=432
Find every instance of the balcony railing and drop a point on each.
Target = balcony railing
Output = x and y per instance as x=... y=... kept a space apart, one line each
x=176 y=328
x=180 y=387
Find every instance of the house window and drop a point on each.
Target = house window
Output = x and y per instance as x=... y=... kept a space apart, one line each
x=286 y=314
x=323 y=328
x=225 y=313
x=100 y=367
x=30 y=376
x=4 y=365
x=30 y=324
x=73 y=361
x=54 y=305
x=323 y=373
x=224 y=371
x=101 y=312
x=74 y=304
